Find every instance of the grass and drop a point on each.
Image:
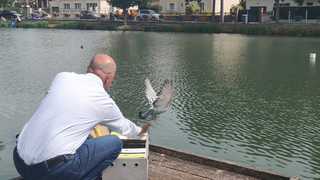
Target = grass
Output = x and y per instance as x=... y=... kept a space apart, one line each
x=303 y=32
x=189 y=28
x=40 y=24
x=253 y=30
x=5 y=24
x=201 y=28
x=70 y=25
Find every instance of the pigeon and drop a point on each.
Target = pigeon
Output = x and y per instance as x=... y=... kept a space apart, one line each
x=159 y=102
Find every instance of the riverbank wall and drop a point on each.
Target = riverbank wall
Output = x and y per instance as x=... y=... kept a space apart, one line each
x=180 y=26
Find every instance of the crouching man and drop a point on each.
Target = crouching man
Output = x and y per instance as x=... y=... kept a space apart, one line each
x=53 y=144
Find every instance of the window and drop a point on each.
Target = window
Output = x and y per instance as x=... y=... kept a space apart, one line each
x=91 y=6
x=77 y=5
x=309 y=3
x=66 y=6
x=171 y=7
x=203 y=6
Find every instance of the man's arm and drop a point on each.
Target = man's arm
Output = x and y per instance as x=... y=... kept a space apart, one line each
x=144 y=127
x=117 y=122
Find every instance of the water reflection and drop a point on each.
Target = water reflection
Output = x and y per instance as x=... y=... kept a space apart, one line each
x=246 y=99
x=2 y=146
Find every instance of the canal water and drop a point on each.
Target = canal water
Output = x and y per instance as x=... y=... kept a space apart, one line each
x=252 y=100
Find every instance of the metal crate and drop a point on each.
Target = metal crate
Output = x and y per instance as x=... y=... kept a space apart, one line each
x=132 y=163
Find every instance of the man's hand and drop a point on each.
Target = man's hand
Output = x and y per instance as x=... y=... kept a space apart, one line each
x=144 y=127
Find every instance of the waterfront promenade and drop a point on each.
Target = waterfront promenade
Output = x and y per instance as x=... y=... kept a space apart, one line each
x=276 y=29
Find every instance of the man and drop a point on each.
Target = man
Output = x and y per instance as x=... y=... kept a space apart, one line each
x=53 y=144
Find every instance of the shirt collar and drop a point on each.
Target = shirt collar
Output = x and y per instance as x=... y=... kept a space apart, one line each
x=95 y=78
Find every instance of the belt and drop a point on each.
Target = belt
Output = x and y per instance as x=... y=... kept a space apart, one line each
x=50 y=162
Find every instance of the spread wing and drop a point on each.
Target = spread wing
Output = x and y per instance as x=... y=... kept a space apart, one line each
x=165 y=96
x=150 y=94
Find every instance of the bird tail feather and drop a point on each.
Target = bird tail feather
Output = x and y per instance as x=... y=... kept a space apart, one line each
x=145 y=114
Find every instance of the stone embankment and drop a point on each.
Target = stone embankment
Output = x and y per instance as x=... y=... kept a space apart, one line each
x=275 y=29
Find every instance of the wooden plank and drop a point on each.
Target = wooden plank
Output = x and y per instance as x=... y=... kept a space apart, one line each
x=220 y=164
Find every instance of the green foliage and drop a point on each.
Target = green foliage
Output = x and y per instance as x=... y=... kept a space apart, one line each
x=243 y=4
x=206 y=11
x=165 y=29
x=5 y=3
x=171 y=11
x=156 y=7
x=303 y=32
x=5 y=24
x=253 y=30
x=70 y=25
x=124 y=4
x=192 y=8
x=202 y=28
x=40 y=24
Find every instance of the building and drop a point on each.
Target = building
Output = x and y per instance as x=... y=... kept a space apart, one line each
x=42 y=3
x=179 y=6
x=269 y=4
x=76 y=6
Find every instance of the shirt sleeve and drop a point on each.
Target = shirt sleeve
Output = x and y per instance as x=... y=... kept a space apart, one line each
x=117 y=122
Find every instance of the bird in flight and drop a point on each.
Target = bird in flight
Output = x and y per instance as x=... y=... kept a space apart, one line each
x=160 y=101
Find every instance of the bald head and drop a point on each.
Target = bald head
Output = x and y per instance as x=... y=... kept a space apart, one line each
x=104 y=67
x=102 y=62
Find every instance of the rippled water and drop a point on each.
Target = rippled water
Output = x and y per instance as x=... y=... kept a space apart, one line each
x=252 y=100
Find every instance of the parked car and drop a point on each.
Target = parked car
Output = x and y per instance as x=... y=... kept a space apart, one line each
x=89 y=15
x=42 y=14
x=146 y=14
x=9 y=14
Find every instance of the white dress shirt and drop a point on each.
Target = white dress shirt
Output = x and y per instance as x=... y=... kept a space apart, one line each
x=72 y=107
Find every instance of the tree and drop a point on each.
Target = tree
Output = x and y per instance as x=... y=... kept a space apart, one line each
x=243 y=4
x=5 y=3
x=187 y=1
x=192 y=8
x=156 y=7
x=213 y=19
x=124 y=5
x=240 y=6
x=277 y=11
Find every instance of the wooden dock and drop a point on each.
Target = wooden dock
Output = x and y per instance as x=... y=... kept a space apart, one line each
x=172 y=164
x=167 y=163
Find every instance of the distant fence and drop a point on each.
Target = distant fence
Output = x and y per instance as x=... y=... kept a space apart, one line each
x=313 y=12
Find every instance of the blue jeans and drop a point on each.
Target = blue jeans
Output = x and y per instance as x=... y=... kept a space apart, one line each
x=90 y=159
